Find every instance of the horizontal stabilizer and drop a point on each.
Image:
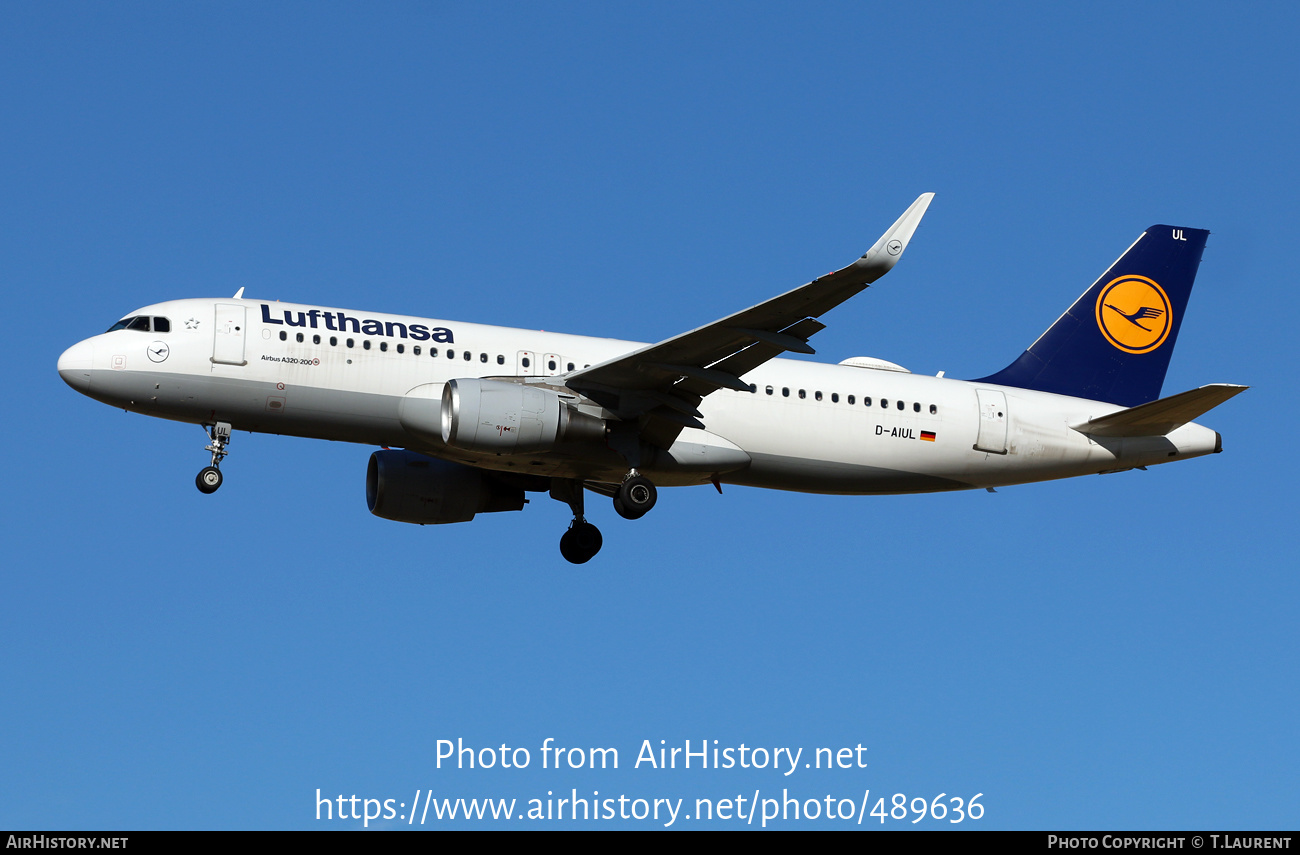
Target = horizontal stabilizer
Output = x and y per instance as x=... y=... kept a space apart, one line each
x=1161 y=417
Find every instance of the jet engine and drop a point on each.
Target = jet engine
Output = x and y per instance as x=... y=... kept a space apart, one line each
x=409 y=487
x=510 y=418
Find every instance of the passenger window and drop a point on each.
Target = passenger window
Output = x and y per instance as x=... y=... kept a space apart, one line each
x=468 y=356
x=350 y=343
x=916 y=408
x=900 y=405
x=527 y=362
x=933 y=409
x=315 y=339
x=415 y=350
x=866 y=402
x=570 y=368
x=284 y=336
x=550 y=365
x=803 y=394
x=365 y=344
x=383 y=345
x=884 y=403
x=835 y=397
x=852 y=400
x=817 y=395
x=401 y=348
x=769 y=390
x=162 y=325
x=299 y=337
x=501 y=360
x=482 y=357
x=785 y=391
x=334 y=341
x=433 y=351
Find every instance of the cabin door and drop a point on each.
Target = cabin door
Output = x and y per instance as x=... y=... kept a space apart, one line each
x=229 y=335
x=993 y=421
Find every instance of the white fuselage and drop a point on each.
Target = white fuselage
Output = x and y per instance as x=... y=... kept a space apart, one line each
x=806 y=426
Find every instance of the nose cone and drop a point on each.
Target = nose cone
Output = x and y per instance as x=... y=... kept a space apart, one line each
x=75 y=364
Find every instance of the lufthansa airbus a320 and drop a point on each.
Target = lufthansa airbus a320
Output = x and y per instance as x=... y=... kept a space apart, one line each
x=472 y=417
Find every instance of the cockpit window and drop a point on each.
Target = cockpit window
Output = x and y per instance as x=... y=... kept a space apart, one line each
x=140 y=323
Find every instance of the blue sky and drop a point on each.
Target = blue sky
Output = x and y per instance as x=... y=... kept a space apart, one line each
x=1113 y=651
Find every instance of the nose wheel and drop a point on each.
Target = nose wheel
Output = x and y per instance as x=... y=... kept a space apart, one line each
x=210 y=479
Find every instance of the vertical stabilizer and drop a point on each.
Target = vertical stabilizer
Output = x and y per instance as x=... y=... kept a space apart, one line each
x=1114 y=343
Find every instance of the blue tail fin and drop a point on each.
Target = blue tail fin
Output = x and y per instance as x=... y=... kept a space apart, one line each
x=1114 y=343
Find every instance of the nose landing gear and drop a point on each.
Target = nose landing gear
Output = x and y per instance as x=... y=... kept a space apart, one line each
x=210 y=479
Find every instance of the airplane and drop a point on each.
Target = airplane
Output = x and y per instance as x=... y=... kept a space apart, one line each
x=469 y=418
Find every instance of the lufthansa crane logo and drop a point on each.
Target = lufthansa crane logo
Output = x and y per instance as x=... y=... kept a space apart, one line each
x=1134 y=314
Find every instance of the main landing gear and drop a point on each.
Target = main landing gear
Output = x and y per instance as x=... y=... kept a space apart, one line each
x=635 y=496
x=633 y=500
x=210 y=478
x=582 y=541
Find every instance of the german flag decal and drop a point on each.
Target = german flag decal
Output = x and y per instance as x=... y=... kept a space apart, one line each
x=928 y=436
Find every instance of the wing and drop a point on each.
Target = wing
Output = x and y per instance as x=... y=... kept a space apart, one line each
x=661 y=385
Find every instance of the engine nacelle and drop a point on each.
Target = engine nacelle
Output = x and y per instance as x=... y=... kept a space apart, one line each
x=409 y=487
x=511 y=418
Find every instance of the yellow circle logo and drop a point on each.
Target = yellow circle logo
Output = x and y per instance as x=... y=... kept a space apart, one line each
x=1134 y=314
